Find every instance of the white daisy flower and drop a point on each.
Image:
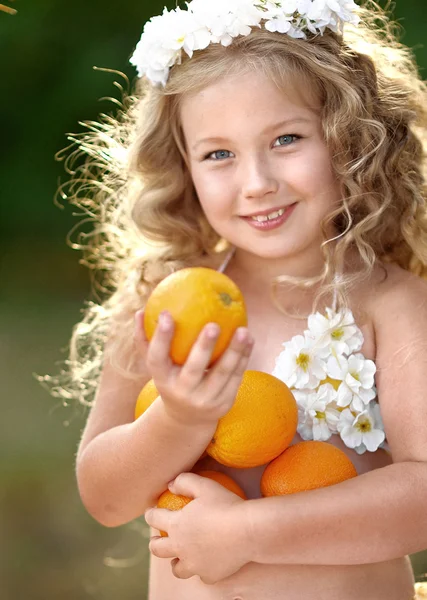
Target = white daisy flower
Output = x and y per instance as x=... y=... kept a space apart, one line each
x=336 y=331
x=182 y=30
x=227 y=19
x=279 y=22
x=281 y=17
x=357 y=375
x=299 y=365
x=318 y=413
x=363 y=431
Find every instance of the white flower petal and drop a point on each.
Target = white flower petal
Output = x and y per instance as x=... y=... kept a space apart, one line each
x=337 y=368
x=373 y=439
x=321 y=431
x=344 y=396
x=351 y=437
x=360 y=449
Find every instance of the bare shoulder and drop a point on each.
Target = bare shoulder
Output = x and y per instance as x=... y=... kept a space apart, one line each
x=398 y=308
x=395 y=293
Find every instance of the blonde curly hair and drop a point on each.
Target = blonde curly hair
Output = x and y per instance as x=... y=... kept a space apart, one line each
x=135 y=189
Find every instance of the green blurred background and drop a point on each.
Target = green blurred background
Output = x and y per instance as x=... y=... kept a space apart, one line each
x=49 y=547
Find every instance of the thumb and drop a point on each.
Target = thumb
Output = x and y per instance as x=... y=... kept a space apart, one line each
x=191 y=485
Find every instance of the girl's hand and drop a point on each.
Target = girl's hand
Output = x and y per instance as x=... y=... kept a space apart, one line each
x=190 y=393
x=208 y=537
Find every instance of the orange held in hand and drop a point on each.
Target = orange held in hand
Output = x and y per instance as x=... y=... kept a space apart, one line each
x=260 y=425
x=195 y=297
x=306 y=466
x=146 y=398
x=176 y=502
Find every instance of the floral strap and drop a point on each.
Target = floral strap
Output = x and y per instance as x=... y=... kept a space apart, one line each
x=333 y=383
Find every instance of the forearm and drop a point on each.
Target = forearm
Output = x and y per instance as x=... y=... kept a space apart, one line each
x=375 y=517
x=124 y=470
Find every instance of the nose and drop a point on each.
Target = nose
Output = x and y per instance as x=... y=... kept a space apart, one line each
x=257 y=177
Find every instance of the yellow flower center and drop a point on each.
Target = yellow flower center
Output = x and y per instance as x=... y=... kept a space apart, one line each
x=320 y=415
x=181 y=40
x=337 y=334
x=355 y=375
x=303 y=360
x=364 y=426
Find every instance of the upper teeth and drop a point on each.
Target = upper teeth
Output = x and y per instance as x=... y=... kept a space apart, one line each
x=272 y=215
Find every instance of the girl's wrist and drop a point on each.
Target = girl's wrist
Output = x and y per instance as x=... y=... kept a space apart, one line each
x=186 y=421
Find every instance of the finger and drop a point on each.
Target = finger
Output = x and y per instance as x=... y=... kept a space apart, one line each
x=200 y=355
x=193 y=485
x=179 y=569
x=158 y=359
x=229 y=365
x=232 y=385
x=159 y=518
x=161 y=547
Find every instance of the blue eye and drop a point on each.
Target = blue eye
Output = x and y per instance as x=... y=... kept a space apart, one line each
x=219 y=155
x=286 y=140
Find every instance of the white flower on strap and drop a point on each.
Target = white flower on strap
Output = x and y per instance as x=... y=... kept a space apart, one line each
x=357 y=375
x=363 y=431
x=333 y=383
x=335 y=331
x=299 y=365
x=318 y=413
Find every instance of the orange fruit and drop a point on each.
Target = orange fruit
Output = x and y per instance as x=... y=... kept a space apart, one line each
x=226 y=481
x=177 y=502
x=146 y=398
x=306 y=466
x=259 y=426
x=194 y=297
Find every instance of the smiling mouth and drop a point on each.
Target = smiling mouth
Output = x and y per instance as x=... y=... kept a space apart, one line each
x=268 y=215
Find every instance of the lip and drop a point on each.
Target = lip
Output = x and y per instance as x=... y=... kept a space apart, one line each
x=265 y=212
x=271 y=223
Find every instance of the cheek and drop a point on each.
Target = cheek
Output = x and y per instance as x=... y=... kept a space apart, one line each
x=213 y=192
x=315 y=174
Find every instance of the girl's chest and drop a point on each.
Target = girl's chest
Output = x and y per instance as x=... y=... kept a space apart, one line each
x=269 y=335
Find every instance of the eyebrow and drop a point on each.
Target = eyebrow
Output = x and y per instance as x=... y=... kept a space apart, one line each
x=285 y=123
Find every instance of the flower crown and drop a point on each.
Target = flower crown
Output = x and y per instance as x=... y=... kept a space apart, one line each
x=208 y=22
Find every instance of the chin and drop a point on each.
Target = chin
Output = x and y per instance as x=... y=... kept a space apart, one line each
x=275 y=253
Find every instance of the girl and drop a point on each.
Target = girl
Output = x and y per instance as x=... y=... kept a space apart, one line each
x=282 y=142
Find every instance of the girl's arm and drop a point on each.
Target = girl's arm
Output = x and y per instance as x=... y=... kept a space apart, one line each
x=375 y=517
x=123 y=465
x=382 y=514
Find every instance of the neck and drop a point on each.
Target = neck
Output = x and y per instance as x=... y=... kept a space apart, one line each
x=260 y=271
x=254 y=274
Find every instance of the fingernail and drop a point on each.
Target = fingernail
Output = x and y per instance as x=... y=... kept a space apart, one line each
x=241 y=335
x=164 y=321
x=212 y=330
